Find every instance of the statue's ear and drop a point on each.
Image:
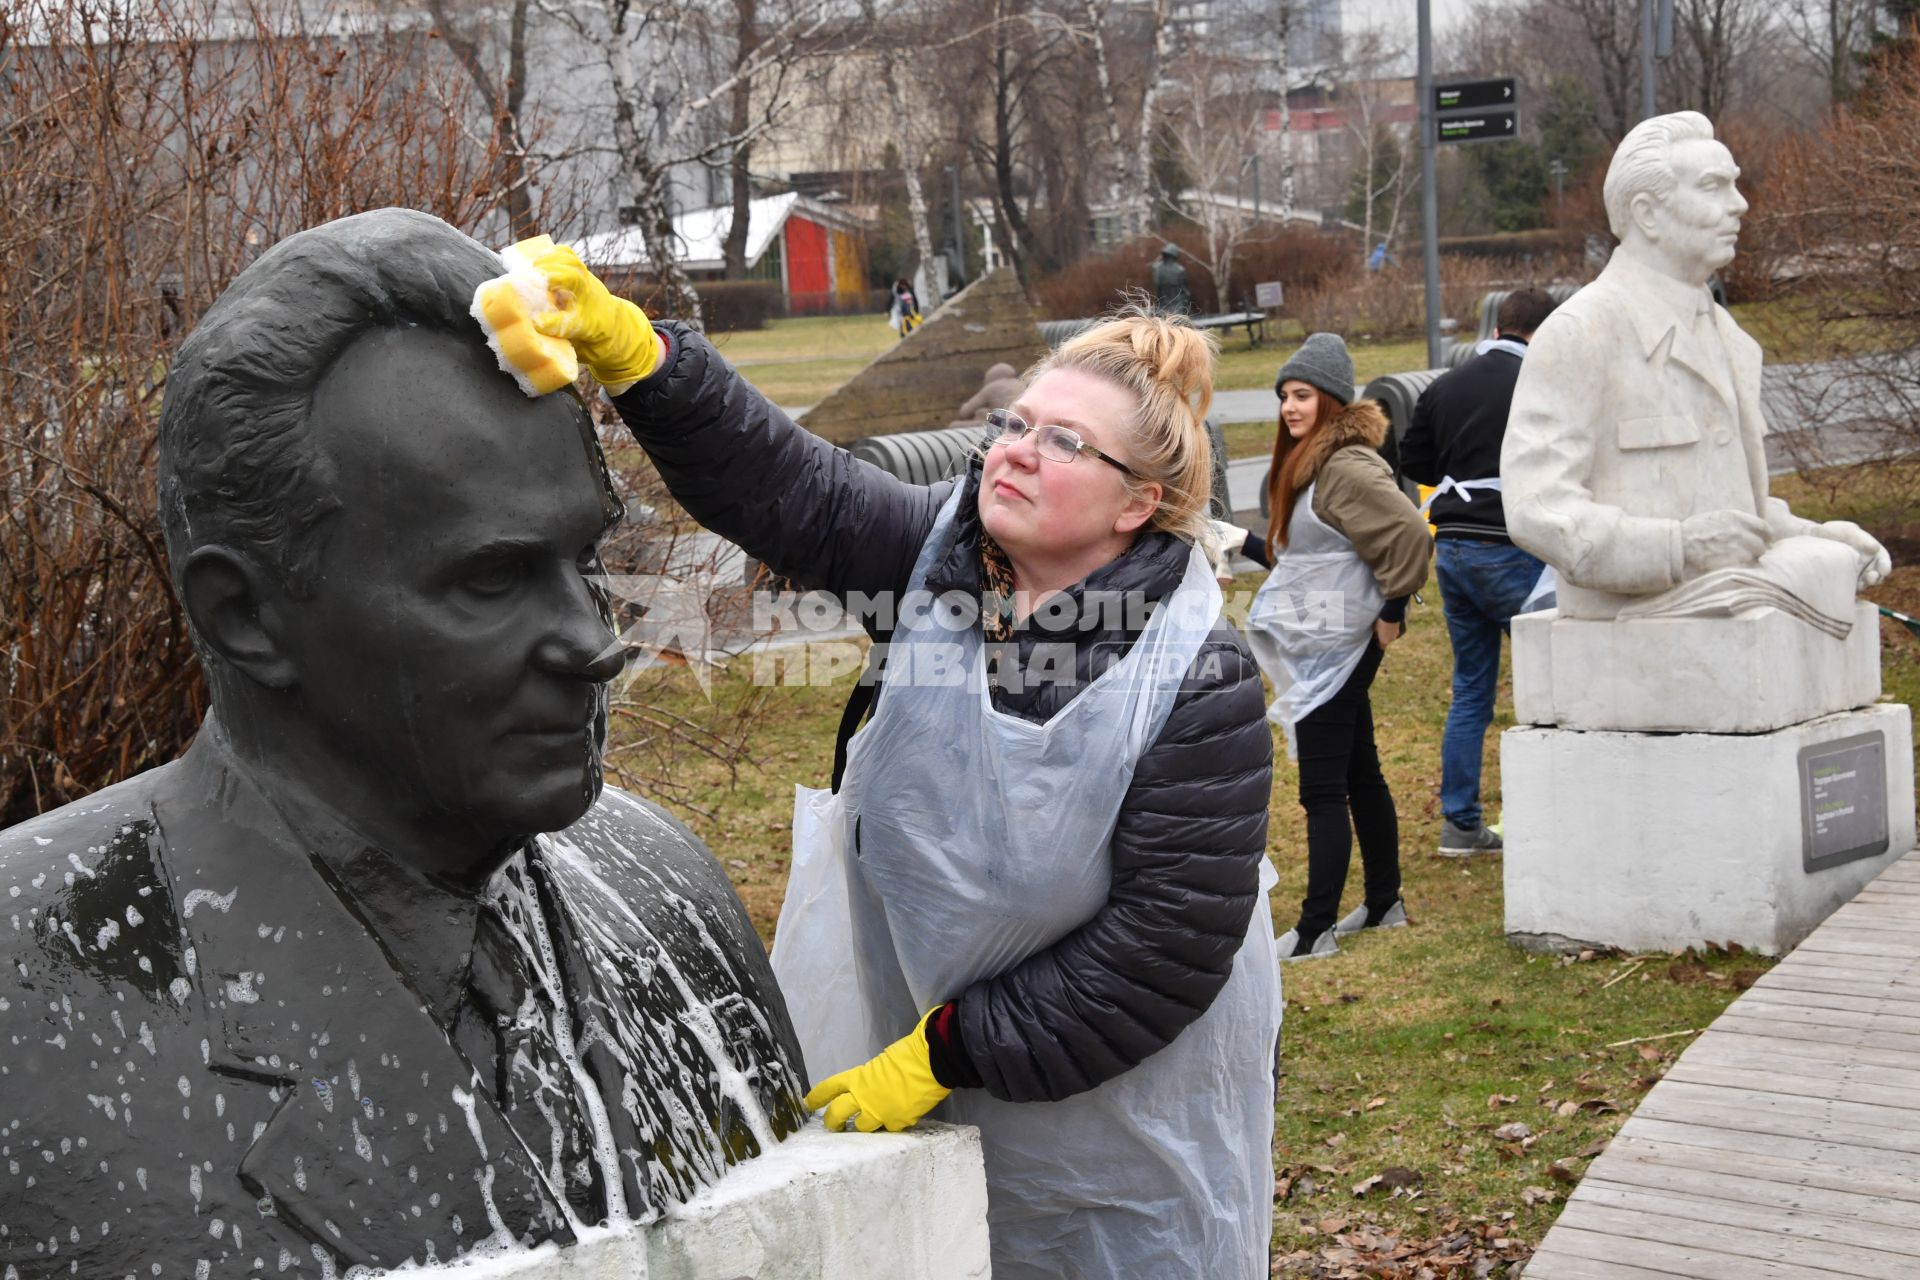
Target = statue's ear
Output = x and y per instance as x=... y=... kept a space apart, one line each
x=236 y=611
x=1640 y=211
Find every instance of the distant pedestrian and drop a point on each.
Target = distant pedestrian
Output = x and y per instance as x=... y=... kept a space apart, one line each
x=1170 y=289
x=1348 y=549
x=904 y=313
x=1454 y=442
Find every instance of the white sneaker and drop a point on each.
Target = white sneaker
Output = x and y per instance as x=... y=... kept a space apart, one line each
x=1356 y=920
x=1323 y=946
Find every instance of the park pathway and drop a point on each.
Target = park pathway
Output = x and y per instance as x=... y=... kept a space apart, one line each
x=1784 y=1144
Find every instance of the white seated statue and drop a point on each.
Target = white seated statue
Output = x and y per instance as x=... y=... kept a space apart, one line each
x=1689 y=598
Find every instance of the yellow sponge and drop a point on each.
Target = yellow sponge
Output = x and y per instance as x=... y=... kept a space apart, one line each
x=505 y=307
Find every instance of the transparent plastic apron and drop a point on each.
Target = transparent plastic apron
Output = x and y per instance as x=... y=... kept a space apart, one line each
x=1544 y=592
x=964 y=840
x=1312 y=619
x=1465 y=488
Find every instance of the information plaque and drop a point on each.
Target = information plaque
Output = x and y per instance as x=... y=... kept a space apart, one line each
x=1843 y=800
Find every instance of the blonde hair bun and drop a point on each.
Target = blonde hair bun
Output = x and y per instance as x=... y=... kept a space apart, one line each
x=1167 y=365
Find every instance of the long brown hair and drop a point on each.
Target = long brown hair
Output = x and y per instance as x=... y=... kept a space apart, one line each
x=1283 y=477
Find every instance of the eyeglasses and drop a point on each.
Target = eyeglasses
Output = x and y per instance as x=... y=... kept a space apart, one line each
x=1054 y=443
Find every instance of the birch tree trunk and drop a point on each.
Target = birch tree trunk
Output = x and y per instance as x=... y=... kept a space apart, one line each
x=1140 y=211
x=903 y=143
x=1114 y=163
x=647 y=184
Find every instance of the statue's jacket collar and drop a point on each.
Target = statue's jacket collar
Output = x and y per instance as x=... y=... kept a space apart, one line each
x=295 y=992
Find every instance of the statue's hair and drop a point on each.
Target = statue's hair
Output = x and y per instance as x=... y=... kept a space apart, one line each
x=237 y=464
x=1644 y=163
x=1167 y=365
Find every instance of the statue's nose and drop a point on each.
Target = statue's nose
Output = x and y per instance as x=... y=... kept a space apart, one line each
x=578 y=643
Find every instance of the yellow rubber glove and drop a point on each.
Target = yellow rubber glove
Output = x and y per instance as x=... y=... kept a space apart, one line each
x=612 y=336
x=891 y=1091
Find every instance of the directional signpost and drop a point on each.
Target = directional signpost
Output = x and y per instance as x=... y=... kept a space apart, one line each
x=1479 y=126
x=1477 y=110
x=1474 y=95
x=1464 y=111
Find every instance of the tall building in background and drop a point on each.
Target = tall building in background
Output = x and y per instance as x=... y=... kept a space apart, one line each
x=1313 y=29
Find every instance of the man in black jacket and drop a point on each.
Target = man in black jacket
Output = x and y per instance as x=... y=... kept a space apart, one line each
x=1454 y=443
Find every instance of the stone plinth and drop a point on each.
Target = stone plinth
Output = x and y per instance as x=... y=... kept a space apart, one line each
x=820 y=1206
x=1656 y=841
x=1750 y=674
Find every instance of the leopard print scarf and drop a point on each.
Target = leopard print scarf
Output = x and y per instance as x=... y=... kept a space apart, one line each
x=996 y=594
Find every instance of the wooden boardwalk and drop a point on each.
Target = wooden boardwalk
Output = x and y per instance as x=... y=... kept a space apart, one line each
x=1784 y=1144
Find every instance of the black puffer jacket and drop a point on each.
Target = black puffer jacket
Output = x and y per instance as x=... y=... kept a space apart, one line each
x=1193 y=826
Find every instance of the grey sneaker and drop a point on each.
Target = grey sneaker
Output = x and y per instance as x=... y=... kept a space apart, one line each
x=1458 y=842
x=1323 y=946
x=1395 y=917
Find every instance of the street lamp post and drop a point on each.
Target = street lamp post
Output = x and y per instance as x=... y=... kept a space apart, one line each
x=1429 y=204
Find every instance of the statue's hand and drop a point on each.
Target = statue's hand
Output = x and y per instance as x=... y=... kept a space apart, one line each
x=1875 y=563
x=612 y=335
x=1721 y=539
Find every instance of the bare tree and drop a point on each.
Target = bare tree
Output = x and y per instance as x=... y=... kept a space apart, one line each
x=149 y=157
x=1128 y=163
x=1833 y=32
x=1840 y=216
x=671 y=67
x=1214 y=108
x=503 y=94
x=1715 y=41
x=1010 y=81
x=746 y=40
x=891 y=49
x=1599 y=40
x=1375 y=114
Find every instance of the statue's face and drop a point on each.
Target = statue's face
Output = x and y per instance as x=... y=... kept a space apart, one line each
x=1698 y=223
x=454 y=652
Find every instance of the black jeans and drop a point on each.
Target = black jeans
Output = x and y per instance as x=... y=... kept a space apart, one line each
x=1340 y=771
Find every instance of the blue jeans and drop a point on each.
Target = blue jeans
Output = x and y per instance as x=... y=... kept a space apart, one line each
x=1482 y=585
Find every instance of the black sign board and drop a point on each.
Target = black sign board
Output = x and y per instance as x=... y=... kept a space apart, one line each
x=1843 y=800
x=1480 y=126
x=1476 y=95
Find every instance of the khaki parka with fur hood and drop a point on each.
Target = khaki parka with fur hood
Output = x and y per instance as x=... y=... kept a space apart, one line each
x=1356 y=495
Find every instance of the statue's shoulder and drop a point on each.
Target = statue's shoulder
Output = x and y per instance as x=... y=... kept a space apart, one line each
x=90 y=919
x=1607 y=298
x=1600 y=313
x=44 y=858
x=641 y=853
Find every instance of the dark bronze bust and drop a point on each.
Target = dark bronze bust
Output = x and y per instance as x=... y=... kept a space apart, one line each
x=378 y=971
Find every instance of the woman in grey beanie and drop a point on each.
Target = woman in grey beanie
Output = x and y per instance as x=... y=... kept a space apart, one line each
x=1347 y=550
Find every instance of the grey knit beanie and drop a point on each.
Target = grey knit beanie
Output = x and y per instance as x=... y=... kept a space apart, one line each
x=1321 y=362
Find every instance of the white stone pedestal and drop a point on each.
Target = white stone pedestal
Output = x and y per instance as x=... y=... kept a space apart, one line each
x=1655 y=841
x=820 y=1206
x=1751 y=674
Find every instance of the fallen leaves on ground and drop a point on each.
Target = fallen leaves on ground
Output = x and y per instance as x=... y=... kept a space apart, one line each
x=1362 y=1251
